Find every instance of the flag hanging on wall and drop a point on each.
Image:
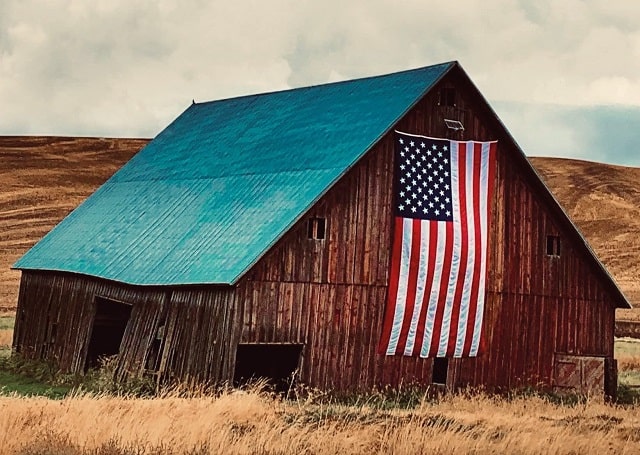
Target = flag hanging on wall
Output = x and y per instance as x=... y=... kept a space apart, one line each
x=436 y=295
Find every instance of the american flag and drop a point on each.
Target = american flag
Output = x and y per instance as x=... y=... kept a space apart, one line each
x=436 y=292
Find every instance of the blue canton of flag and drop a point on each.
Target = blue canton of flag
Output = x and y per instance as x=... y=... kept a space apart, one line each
x=423 y=183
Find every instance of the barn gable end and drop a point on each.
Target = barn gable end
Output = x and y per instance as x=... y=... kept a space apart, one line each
x=320 y=288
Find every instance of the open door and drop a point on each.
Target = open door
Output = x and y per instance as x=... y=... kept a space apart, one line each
x=109 y=324
x=274 y=362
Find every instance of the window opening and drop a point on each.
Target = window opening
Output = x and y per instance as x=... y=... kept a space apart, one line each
x=553 y=245
x=275 y=363
x=447 y=96
x=109 y=324
x=316 y=229
x=440 y=370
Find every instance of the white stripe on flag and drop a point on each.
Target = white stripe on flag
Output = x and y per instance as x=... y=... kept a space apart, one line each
x=468 y=278
x=420 y=288
x=434 y=295
x=401 y=300
x=455 y=259
x=484 y=183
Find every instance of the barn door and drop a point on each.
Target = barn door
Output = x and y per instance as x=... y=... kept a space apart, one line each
x=109 y=324
x=583 y=375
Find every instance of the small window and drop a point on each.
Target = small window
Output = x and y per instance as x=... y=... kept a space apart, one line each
x=316 y=228
x=447 y=97
x=553 y=245
x=440 y=370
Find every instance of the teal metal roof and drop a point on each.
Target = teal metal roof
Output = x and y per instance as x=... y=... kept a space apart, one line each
x=203 y=201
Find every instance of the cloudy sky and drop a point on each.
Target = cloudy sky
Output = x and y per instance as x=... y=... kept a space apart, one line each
x=563 y=75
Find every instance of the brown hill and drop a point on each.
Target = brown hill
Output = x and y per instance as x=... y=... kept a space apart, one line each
x=604 y=202
x=43 y=178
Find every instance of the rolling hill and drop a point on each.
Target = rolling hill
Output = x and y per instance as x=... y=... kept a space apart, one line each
x=43 y=178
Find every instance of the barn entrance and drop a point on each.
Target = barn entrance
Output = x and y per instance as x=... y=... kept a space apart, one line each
x=275 y=363
x=109 y=324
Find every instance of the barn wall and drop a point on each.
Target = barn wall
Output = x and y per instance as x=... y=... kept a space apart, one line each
x=175 y=332
x=330 y=294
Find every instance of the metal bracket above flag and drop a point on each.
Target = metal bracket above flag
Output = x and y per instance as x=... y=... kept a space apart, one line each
x=442 y=196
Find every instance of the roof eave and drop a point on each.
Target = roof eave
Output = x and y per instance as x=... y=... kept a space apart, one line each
x=622 y=301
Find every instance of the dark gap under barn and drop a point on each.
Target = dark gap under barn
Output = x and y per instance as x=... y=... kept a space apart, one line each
x=109 y=324
x=275 y=363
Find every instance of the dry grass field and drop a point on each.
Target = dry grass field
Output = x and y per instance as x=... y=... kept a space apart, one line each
x=256 y=423
x=43 y=178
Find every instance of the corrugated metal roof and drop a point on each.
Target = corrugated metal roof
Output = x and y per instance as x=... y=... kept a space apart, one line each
x=203 y=201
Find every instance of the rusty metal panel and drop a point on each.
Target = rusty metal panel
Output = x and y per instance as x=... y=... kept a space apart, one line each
x=579 y=374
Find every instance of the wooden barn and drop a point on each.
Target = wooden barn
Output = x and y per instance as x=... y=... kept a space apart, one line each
x=253 y=237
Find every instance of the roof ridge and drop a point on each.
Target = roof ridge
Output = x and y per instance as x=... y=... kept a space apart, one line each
x=325 y=84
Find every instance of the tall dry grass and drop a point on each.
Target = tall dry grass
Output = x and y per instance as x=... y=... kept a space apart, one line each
x=250 y=423
x=6 y=337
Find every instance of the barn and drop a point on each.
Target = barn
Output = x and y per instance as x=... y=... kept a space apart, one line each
x=254 y=237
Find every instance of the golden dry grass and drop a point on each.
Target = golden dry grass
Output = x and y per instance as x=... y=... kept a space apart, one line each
x=6 y=337
x=249 y=423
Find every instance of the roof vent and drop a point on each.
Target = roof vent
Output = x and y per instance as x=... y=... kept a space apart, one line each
x=454 y=125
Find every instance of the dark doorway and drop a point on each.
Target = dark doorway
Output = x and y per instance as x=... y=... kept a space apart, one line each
x=440 y=370
x=109 y=324
x=274 y=362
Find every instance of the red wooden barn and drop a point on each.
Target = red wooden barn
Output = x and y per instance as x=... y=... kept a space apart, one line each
x=253 y=237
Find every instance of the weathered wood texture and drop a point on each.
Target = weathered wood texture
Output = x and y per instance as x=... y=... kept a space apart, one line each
x=55 y=318
x=329 y=294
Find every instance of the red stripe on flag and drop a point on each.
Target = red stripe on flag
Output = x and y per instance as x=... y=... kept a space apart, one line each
x=475 y=283
x=412 y=282
x=396 y=257
x=444 y=283
x=428 y=287
x=464 y=239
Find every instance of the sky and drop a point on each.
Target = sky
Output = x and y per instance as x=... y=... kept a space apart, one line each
x=563 y=75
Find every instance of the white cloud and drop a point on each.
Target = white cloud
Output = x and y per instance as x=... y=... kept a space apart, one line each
x=117 y=67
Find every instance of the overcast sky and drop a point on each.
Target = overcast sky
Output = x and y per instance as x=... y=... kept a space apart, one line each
x=563 y=75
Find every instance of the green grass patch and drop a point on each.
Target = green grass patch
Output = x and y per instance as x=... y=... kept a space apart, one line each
x=12 y=383
x=626 y=347
x=21 y=378
x=7 y=321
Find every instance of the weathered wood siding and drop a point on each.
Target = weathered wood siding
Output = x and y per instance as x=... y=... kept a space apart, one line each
x=197 y=337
